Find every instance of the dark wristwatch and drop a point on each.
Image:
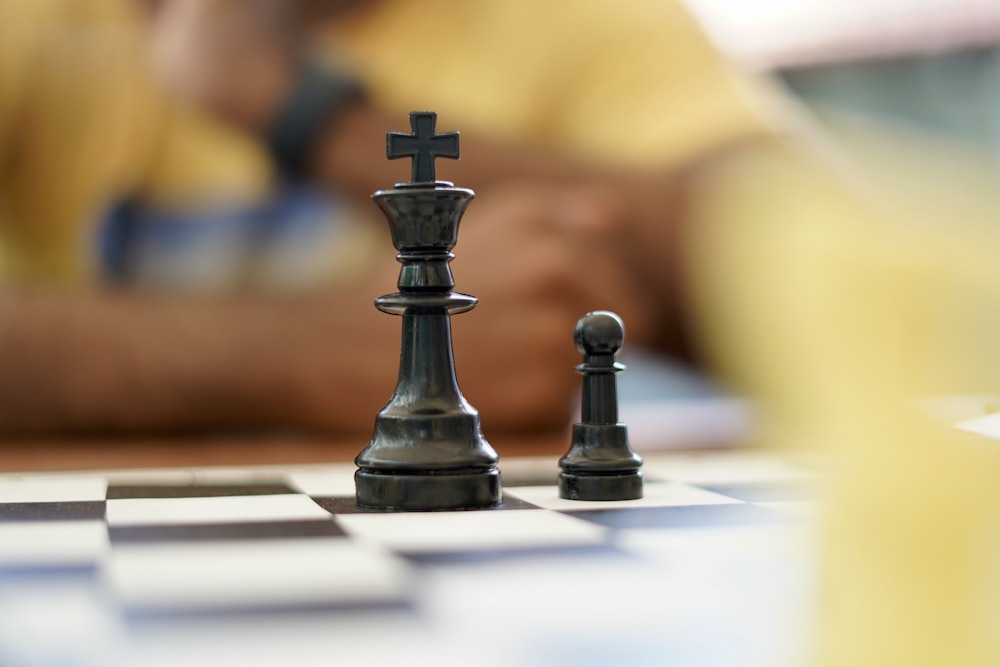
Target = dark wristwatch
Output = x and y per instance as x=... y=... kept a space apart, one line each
x=321 y=94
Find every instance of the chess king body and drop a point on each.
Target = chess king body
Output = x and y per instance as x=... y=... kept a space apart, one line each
x=427 y=450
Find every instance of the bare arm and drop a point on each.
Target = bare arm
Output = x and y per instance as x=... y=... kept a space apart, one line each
x=107 y=361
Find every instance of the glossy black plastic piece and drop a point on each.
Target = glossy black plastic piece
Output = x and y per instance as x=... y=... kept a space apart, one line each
x=427 y=450
x=600 y=463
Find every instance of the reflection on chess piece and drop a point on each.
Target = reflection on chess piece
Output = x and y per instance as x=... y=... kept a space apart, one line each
x=600 y=464
x=427 y=450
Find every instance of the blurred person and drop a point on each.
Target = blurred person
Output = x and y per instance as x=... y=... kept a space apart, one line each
x=574 y=140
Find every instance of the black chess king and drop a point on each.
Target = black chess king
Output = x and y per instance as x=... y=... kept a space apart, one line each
x=427 y=450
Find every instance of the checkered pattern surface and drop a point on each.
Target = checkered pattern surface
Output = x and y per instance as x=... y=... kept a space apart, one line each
x=212 y=566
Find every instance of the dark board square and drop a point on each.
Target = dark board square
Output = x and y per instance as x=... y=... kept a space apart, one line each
x=70 y=510
x=120 y=491
x=683 y=516
x=269 y=530
x=47 y=574
x=509 y=502
x=339 y=504
x=138 y=616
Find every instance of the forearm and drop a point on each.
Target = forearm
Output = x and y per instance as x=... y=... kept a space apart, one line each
x=325 y=363
x=119 y=362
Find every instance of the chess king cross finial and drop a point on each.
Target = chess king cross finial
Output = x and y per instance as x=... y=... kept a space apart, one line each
x=422 y=146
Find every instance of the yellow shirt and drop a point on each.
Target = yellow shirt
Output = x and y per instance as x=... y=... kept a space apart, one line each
x=81 y=123
x=631 y=82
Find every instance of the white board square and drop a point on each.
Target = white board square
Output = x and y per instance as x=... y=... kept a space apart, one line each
x=655 y=494
x=221 y=509
x=51 y=488
x=429 y=532
x=52 y=543
x=254 y=574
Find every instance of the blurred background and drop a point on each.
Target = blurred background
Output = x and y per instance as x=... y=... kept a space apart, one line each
x=903 y=97
x=910 y=89
x=928 y=64
x=923 y=66
x=906 y=66
x=834 y=292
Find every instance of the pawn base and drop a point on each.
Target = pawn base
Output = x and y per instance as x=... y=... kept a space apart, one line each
x=577 y=486
x=438 y=491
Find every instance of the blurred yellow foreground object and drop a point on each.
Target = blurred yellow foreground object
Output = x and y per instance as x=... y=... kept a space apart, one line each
x=837 y=303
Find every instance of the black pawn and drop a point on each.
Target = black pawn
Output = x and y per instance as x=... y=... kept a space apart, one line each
x=600 y=464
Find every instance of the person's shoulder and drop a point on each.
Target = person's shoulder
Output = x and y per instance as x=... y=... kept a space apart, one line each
x=622 y=18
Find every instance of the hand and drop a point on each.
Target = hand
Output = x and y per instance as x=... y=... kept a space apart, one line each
x=538 y=259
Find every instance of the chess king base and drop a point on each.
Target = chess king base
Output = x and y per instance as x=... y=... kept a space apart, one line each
x=427 y=491
x=427 y=458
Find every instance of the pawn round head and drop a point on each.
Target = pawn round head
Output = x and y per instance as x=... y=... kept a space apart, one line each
x=599 y=332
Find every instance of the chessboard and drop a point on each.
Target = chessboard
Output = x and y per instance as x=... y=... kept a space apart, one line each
x=276 y=565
